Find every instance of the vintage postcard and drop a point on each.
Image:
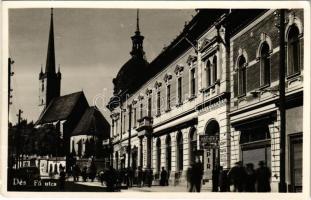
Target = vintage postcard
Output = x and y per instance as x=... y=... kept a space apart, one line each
x=186 y=99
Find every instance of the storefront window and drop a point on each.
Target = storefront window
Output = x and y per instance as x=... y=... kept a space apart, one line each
x=255 y=144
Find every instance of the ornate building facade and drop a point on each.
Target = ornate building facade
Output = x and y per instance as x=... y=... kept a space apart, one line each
x=211 y=94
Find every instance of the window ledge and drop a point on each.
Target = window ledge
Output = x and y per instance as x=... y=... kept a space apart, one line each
x=192 y=97
x=263 y=87
x=293 y=75
x=179 y=104
x=168 y=110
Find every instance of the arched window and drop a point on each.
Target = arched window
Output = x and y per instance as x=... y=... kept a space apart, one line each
x=158 y=154
x=180 y=153
x=168 y=153
x=242 y=76
x=264 y=64
x=208 y=73
x=293 y=51
x=215 y=69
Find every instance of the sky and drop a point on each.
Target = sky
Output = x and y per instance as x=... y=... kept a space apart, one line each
x=91 y=45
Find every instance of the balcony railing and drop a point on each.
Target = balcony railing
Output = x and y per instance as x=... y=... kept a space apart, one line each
x=144 y=123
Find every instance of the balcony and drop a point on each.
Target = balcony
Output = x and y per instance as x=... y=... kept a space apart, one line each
x=144 y=123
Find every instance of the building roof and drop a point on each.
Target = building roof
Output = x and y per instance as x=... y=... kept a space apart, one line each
x=60 y=108
x=92 y=123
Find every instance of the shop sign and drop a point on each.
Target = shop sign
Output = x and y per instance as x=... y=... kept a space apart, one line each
x=208 y=142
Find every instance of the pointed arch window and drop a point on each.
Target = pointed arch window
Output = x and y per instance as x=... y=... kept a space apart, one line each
x=293 y=51
x=241 y=75
x=265 y=64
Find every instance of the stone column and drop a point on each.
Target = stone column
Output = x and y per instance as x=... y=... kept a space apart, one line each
x=163 y=151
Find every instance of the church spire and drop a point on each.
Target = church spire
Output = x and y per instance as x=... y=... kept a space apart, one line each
x=137 y=22
x=137 y=40
x=50 y=59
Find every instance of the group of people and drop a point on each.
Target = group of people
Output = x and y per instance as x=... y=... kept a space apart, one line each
x=242 y=178
x=86 y=173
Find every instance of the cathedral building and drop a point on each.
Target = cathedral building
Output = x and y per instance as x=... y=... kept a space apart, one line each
x=83 y=127
x=212 y=94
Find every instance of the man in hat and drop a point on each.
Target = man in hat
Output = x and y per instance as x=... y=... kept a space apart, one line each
x=236 y=176
x=263 y=175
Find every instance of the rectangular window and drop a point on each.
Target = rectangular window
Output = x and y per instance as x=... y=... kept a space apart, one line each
x=158 y=103
x=124 y=124
x=141 y=110
x=179 y=90
x=192 y=81
x=134 y=117
x=149 y=107
x=168 y=97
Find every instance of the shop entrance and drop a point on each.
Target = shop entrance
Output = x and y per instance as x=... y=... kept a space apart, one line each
x=210 y=144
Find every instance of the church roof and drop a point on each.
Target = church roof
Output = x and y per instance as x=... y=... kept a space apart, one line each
x=60 y=108
x=92 y=123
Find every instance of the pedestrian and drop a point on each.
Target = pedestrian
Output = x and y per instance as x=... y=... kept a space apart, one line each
x=93 y=171
x=236 y=176
x=190 y=182
x=139 y=176
x=130 y=175
x=197 y=174
x=263 y=175
x=62 y=179
x=250 y=178
x=76 y=172
x=110 y=177
x=163 y=177
x=101 y=176
x=223 y=180
x=84 y=174
x=215 y=178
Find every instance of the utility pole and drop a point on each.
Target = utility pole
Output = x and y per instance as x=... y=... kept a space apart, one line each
x=129 y=136
x=17 y=144
x=282 y=102
x=10 y=63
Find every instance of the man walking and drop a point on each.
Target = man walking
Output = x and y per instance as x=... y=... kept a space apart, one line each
x=263 y=175
x=237 y=175
x=163 y=177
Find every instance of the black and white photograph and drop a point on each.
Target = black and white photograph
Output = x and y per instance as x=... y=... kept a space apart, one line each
x=193 y=100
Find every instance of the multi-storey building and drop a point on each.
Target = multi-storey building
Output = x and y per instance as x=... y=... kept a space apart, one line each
x=212 y=94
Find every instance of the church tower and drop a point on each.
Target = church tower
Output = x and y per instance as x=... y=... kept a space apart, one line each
x=137 y=40
x=49 y=81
